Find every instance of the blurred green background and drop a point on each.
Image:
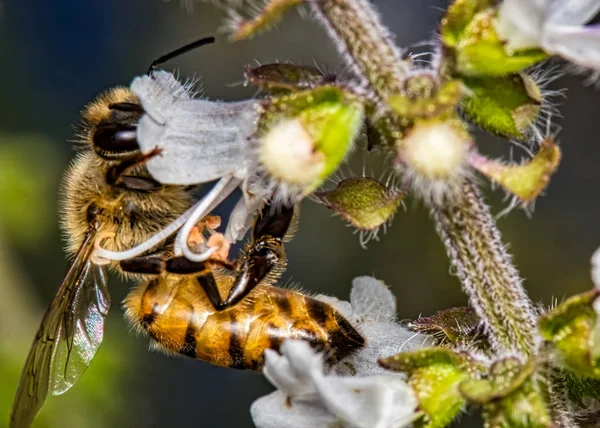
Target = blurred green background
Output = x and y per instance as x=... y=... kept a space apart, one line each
x=57 y=56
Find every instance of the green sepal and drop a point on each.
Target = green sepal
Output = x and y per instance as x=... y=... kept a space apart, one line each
x=504 y=105
x=269 y=14
x=435 y=374
x=283 y=78
x=580 y=387
x=480 y=52
x=525 y=181
x=570 y=327
x=511 y=395
x=422 y=99
x=453 y=327
x=458 y=16
x=363 y=202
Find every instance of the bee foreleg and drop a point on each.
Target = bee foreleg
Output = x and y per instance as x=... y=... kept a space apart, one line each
x=271 y=222
x=150 y=264
x=116 y=175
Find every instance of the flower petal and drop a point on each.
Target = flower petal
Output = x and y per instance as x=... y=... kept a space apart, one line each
x=369 y=402
x=372 y=300
x=580 y=45
x=303 y=359
x=596 y=268
x=520 y=22
x=572 y=12
x=277 y=411
x=383 y=340
x=280 y=373
x=341 y=306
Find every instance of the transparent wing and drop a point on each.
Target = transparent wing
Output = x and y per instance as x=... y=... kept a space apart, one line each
x=68 y=337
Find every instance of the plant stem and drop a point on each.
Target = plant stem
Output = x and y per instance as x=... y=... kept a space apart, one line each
x=486 y=272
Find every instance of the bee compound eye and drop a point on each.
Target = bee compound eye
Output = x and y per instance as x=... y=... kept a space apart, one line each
x=115 y=138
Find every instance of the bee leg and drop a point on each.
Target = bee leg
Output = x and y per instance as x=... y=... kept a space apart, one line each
x=150 y=264
x=266 y=251
x=183 y=266
x=116 y=175
x=272 y=223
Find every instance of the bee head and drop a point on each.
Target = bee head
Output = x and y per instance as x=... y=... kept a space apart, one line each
x=109 y=123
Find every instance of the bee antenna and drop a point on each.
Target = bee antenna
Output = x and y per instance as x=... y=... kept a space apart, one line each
x=179 y=51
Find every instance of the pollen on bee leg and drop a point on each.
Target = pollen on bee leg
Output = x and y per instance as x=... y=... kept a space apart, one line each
x=217 y=240
x=95 y=258
x=217 y=194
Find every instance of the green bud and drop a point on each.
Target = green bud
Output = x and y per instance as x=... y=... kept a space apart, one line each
x=454 y=327
x=363 y=202
x=525 y=181
x=505 y=105
x=282 y=78
x=306 y=135
x=478 y=51
x=458 y=17
x=511 y=396
x=423 y=99
x=435 y=375
x=571 y=329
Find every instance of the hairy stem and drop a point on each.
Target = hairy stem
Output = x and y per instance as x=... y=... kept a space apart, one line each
x=364 y=42
x=486 y=272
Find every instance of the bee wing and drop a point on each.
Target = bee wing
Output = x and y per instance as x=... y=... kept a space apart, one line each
x=68 y=338
x=201 y=140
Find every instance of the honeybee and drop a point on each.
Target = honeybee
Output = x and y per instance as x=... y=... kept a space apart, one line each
x=106 y=192
x=256 y=315
x=109 y=195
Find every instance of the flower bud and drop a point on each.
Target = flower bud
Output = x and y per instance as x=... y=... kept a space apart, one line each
x=433 y=154
x=570 y=327
x=511 y=395
x=306 y=135
x=435 y=375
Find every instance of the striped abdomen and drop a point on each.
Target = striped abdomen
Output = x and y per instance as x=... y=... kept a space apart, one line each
x=176 y=313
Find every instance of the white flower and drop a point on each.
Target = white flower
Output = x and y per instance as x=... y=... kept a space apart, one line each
x=372 y=310
x=373 y=398
x=307 y=397
x=556 y=26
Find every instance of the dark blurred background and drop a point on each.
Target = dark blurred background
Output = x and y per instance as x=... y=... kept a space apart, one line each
x=56 y=56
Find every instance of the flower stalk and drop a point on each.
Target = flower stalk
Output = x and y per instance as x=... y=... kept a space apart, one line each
x=486 y=272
